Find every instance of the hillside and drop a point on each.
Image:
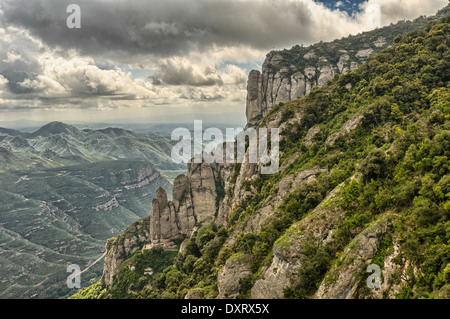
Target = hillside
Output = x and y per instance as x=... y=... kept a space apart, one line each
x=53 y=217
x=363 y=180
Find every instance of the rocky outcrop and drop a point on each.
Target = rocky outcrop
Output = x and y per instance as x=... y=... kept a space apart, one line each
x=203 y=191
x=271 y=86
x=118 y=249
x=312 y=132
x=194 y=201
x=317 y=228
x=347 y=128
x=254 y=95
x=341 y=282
x=229 y=277
x=289 y=74
x=237 y=178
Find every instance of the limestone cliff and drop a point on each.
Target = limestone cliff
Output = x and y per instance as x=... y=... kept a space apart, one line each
x=193 y=204
x=290 y=74
x=279 y=83
x=194 y=200
x=118 y=249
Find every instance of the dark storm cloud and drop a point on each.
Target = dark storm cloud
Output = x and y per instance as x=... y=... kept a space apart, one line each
x=162 y=28
x=18 y=59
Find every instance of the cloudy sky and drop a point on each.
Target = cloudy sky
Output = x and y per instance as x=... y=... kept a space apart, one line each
x=155 y=60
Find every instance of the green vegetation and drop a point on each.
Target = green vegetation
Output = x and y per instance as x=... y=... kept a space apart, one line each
x=95 y=291
x=134 y=275
x=393 y=159
x=315 y=263
x=400 y=149
x=136 y=272
x=351 y=45
x=195 y=268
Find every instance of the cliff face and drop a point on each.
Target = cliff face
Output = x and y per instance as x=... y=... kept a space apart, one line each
x=194 y=200
x=118 y=249
x=289 y=74
x=279 y=82
x=194 y=203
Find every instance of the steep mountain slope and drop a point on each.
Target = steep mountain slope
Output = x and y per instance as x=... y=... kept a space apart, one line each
x=364 y=180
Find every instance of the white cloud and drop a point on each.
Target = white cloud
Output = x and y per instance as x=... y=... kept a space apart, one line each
x=233 y=75
x=198 y=70
x=3 y=83
x=12 y=57
x=238 y=53
x=78 y=76
x=183 y=71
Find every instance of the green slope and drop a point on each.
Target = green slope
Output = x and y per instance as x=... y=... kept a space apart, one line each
x=384 y=144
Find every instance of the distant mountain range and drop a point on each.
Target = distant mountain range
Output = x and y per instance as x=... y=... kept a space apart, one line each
x=58 y=144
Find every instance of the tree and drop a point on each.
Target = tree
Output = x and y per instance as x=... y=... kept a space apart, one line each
x=374 y=165
x=352 y=192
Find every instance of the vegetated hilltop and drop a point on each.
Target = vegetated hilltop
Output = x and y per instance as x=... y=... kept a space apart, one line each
x=364 y=179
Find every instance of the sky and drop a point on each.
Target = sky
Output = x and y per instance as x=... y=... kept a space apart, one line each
x=160 y=61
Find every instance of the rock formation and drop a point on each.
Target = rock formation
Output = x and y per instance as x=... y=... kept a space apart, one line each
x=341 y=282
x=254 y=95
x=118 y=249
x=237 y=268
x=289 y=74
x=288 y=250
x=211 y=192
x=194 y=203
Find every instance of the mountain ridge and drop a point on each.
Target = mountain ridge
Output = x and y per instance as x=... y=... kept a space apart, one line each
x=58 y=143
x=64 y=192
x=53 y=128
